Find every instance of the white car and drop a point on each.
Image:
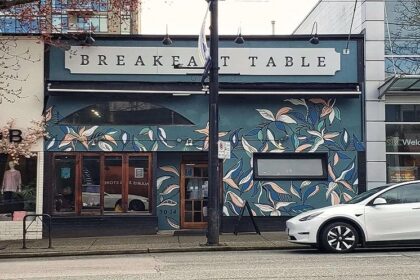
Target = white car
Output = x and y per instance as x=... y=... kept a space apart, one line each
x=381 y=216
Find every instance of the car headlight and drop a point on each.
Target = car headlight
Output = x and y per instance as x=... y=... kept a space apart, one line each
x=310 y=217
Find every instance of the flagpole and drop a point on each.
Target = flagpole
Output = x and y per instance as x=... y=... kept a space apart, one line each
x=214 y=163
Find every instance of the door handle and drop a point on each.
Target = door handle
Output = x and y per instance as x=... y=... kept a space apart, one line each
x=416 y=208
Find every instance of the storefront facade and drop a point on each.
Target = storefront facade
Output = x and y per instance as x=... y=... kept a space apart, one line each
x=21 y=148
x=128 y=142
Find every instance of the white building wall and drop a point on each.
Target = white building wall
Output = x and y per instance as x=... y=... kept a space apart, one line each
x=332 y=18
x=23 y=63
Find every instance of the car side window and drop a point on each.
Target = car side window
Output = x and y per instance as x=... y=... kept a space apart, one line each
x=404 y=194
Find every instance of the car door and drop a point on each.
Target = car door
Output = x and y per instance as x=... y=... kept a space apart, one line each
x=398 y=219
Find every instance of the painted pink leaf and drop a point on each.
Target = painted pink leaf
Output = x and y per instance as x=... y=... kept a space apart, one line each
x=170 y=169
x=331 y=173
x=331 y=135
x=286 y=119
x=265 y=207
x=336 y=159
x=346 y=184
x=276 y=188
x=170 y=189
x=335 y=199
x=67 y=140
x=326 y=111
x=48 y=114
x=110 y=139
x=204 y=131
x=231 y=183
x=266 y=114
x=347 y=197
x=265 y=149
x=318 y=101
x=281 y=204
x=237 y=200
x=283 y=111
x=302 y=147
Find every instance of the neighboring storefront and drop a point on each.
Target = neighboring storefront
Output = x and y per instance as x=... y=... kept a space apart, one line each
x=21 y=146
x=129 y=132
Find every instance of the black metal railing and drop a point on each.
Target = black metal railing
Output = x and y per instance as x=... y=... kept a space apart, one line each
x=42 y=218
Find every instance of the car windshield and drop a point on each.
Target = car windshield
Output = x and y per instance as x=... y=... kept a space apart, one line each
x=363 y=196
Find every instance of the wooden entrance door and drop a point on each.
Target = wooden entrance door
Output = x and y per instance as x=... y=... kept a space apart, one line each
x=194 y=195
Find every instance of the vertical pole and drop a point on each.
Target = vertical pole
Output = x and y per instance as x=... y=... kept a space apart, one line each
x=214 y=182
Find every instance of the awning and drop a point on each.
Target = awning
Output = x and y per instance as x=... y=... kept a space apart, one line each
x=400 y=85
x=60 y=87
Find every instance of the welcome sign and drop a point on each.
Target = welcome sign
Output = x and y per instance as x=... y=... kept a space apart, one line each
x=233 y=61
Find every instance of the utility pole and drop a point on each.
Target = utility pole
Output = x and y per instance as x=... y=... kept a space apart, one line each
x=214 y=182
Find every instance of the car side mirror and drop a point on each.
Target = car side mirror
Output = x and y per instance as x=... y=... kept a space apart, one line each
x=379 y=201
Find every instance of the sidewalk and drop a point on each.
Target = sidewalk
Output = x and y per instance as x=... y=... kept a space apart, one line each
x=160 y=243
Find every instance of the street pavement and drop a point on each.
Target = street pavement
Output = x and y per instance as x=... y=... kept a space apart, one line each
x=300 y=263
x=160 y=243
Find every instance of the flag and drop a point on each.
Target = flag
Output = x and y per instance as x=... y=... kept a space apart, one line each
x=203 y=49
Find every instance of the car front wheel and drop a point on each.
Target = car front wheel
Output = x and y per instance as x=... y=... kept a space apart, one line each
x=339 y=237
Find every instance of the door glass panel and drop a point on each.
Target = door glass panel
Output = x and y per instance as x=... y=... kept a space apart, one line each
x=138 y=183
x=65 y=182
x=91 y=183
x=113 y=184
x=196 y=194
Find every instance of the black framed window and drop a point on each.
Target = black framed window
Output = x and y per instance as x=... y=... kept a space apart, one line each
x=125 y=113
x=290 y=166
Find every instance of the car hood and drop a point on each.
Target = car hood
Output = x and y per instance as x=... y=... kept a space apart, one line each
x=337 y=209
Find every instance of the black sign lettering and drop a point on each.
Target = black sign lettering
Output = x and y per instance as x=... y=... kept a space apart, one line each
x=225 y=58
x=15 y=135
x=271 y=61
x=156 y=60
x=289 y=61
x=175 y=60
x=102 y=59
x=139 y=60
x=321 y=61
x=192 y=62
x=253 y=58
x=85 y=59
x=304 y=64
x=120 y=60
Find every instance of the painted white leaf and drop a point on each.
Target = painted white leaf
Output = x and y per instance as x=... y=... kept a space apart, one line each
x=160 y=180
x=345 y=172
x=68 y=149
x=167 y=202
x=70 y=130
x=266 y=114
x=315 y=133
x=305 y=184
x=170 y=169
x=297 y=101
x=276 y=188
x=275 y=213
x=51 y=144
x=225 y=211
x=150 y=134
x=281 y=204
x=172 y=223
x=162 y=133
x=331 y=187
x=250 y=149
x=155 y=146
x=294 y=192
x=332 y=116
x=229 y=174
x=105 y=146
x=170 y=189
x=265 y=207
x=314 y=192
x=124 y=138
x=90 y=131
x=346 y=137
x=318 y=142
x=277 y=150
x=335 y=199
x=246 y=179
x=286 y=119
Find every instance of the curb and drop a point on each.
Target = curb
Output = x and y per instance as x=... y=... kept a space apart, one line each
x=144 y=251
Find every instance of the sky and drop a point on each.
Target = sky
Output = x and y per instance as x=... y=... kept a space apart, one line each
x=253 y=17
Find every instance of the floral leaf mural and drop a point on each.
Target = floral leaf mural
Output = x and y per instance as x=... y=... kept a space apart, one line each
x=172 y=223
x=170 y=189
x=170 y=169
x=266 y=114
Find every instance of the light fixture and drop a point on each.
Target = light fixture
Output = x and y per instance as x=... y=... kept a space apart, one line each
x=239 y=39
x=189 y=142
x=166 y=40
x=89 y=39
x=314 y=40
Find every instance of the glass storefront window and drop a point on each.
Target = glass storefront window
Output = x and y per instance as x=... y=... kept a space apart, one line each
x=18 y=185
x=65 y=182
x=113 y=184
x=91 y=183
x=138 y=183
x=402 y=168
x=403 y=138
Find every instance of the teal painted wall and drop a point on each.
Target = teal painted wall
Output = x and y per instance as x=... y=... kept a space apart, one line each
x=251 y=124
